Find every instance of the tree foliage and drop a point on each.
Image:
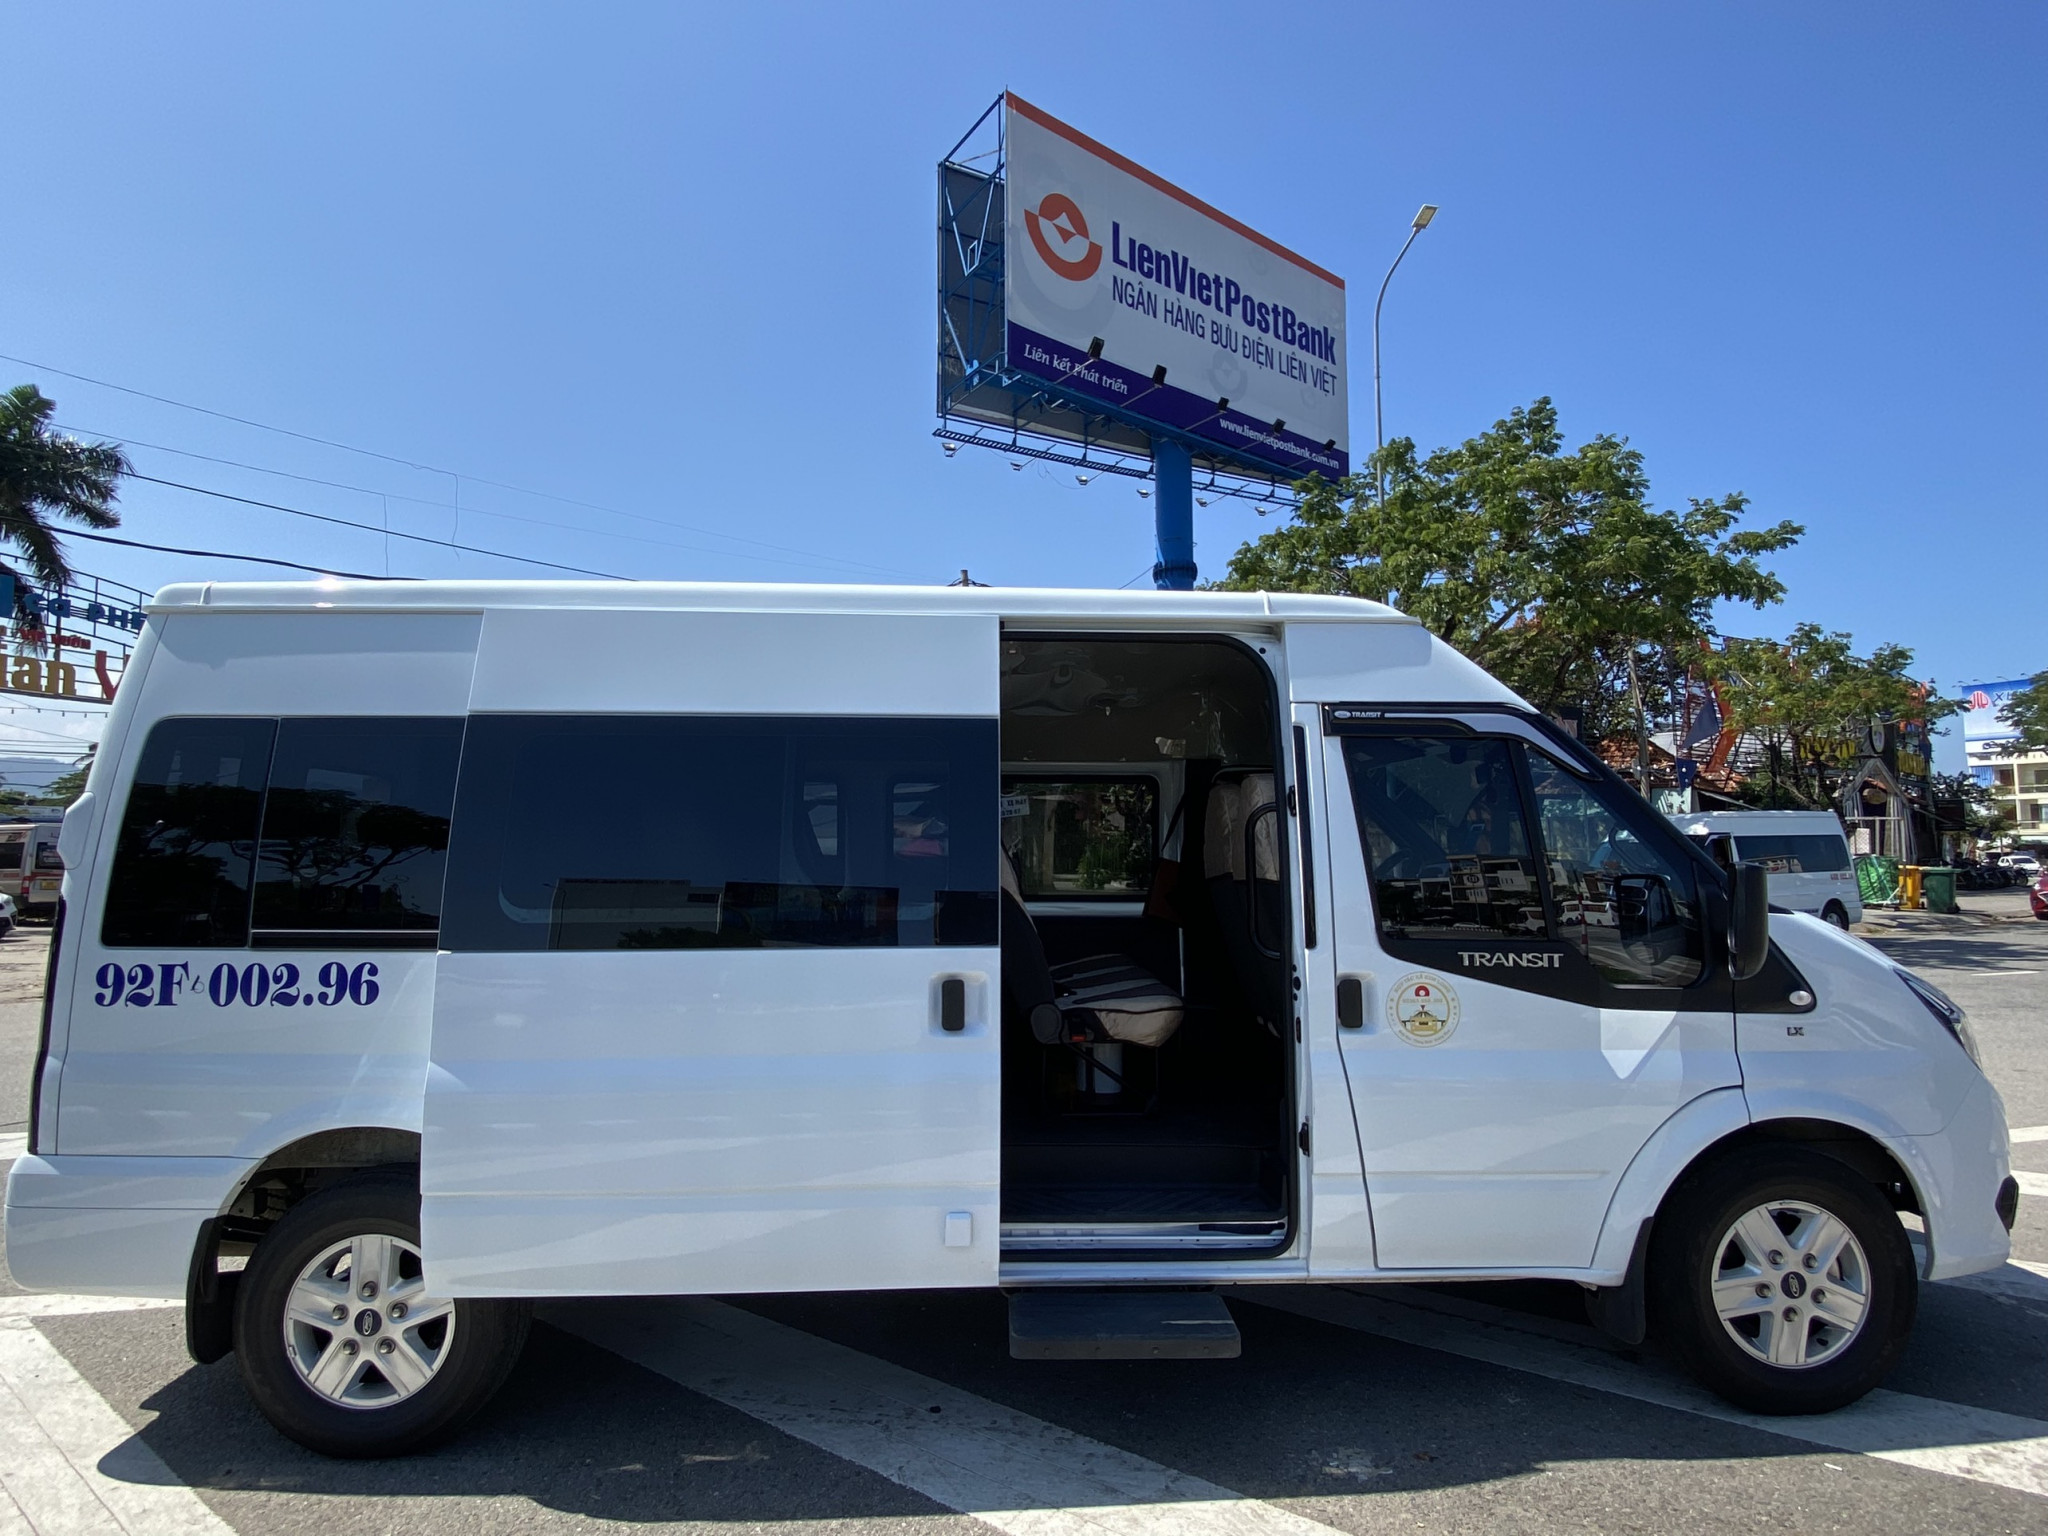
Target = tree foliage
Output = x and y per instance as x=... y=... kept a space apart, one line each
x=1813 y=702
x=46 y=477
x=2026 y=711
x=1552 y=570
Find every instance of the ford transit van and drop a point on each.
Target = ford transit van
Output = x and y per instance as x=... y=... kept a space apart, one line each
x=1058 y=941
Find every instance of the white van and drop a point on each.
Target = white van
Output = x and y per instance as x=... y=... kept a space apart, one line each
x=31 y=870
x=1099 y=946
x=1805 y=852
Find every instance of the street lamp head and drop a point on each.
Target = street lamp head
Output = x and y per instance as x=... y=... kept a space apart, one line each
x=1423 y=215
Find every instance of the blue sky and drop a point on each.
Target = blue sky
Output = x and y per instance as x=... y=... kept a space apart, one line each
x=677 y=262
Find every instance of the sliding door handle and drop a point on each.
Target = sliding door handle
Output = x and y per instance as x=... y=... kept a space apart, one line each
x=1350 y=1002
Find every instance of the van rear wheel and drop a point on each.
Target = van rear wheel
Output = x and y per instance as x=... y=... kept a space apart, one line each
x=1783 y=1281
x=340 y=1343
x=1835 y=915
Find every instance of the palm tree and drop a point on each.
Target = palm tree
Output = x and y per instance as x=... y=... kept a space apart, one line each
x=45 y=476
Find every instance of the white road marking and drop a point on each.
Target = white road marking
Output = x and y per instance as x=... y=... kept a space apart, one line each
x=2027 y=1133
x=70 y=1464
x=1020 y=1474
x=78 y=1306
x=12 y=1145
x=1936 y=1436
x=2031 y=1183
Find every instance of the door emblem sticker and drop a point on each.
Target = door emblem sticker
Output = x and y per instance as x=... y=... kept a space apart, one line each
x=1423 y=1008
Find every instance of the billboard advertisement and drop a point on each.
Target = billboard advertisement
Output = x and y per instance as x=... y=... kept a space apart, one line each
x=1981 y=705
x=1203 y=324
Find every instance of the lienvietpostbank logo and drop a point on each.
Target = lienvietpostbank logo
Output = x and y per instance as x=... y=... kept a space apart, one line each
x=1423 y=1008
x=1057 y=215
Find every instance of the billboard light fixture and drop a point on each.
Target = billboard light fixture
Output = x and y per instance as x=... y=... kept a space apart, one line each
x=1159 y=374
x=1279 y=424
x=1330 y=446
x=1143 y=494
x=1223 y=405
x=1095 y=349
x=1084 y=479
x=951 y=448
x=1201 y=501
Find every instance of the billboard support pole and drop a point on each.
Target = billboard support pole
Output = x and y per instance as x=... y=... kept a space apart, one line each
x=1173 y=500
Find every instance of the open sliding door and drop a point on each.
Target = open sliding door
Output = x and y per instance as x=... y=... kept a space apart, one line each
x=716 y=1008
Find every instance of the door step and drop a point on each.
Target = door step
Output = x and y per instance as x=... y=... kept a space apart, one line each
x=1121 y=1325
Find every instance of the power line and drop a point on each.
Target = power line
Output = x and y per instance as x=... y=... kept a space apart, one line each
x=822 y=563
x=434 y=469
x=219 y=554
x=343 y=522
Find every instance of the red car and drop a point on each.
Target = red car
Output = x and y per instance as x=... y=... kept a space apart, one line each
x=2037 y=897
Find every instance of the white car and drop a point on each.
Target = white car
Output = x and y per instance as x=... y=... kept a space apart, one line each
x=2025 y=863
x=1101 y=947
x=7 y=915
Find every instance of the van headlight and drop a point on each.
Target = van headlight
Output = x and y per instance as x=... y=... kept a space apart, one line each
x=1944 y=1008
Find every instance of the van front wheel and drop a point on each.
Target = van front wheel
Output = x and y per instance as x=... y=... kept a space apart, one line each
x=340 y=1343
x=1783 y=1281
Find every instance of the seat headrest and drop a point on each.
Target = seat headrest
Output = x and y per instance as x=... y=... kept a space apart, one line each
x=1237 y=798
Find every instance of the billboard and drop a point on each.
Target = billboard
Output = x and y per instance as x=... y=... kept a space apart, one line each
x=1981 y=704
x=1123 y=290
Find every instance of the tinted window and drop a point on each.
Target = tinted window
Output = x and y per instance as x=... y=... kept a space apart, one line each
x=664 y=832
x=1793 y=854
x=1446 y=841
x=1083 y=837
x=187 y=843
x=1624 y=896
x=12 y=850
x=355 y=828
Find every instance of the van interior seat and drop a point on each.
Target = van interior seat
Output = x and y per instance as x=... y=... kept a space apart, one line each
x=1094 y=1000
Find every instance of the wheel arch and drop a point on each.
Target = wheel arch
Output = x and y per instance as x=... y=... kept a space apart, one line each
x=1711 y=1127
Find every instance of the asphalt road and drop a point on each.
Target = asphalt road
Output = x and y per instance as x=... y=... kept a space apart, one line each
x=1482 y=1408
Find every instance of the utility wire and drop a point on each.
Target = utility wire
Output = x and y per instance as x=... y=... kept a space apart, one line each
x=221 y=554
x=343 y=522
x=538 y=522
x=433 y=469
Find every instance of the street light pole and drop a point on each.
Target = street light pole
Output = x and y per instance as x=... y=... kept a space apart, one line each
x=1422 y=218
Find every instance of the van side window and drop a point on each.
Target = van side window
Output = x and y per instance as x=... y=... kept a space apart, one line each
x=187 y=842
x=1446 y=841
x=1628 y=903
x=722 y=832
x=355 y=830
x=1794 y=853
x=1085 y=837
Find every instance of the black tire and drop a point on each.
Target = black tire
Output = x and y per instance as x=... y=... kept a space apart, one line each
x=484 y=1347
x=1835 y=915
x=1686 y=1253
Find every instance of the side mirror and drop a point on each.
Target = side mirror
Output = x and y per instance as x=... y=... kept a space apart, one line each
x=1749 y=920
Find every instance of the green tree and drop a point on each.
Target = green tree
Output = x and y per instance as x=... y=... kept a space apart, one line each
x=1550 y=569
x=1812 y=701
x=2026 y=710
x=68 y=786
x=46 y=477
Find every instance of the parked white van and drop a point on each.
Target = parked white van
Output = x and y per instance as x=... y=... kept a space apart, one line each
x=1805 y=853
x=1059 y=941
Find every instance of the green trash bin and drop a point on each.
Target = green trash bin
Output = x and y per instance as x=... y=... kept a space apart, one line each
x=1877 y=880
x=1938 y=889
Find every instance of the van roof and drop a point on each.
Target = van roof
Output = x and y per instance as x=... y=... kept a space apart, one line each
x=793 y=597
x=1719 y=818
